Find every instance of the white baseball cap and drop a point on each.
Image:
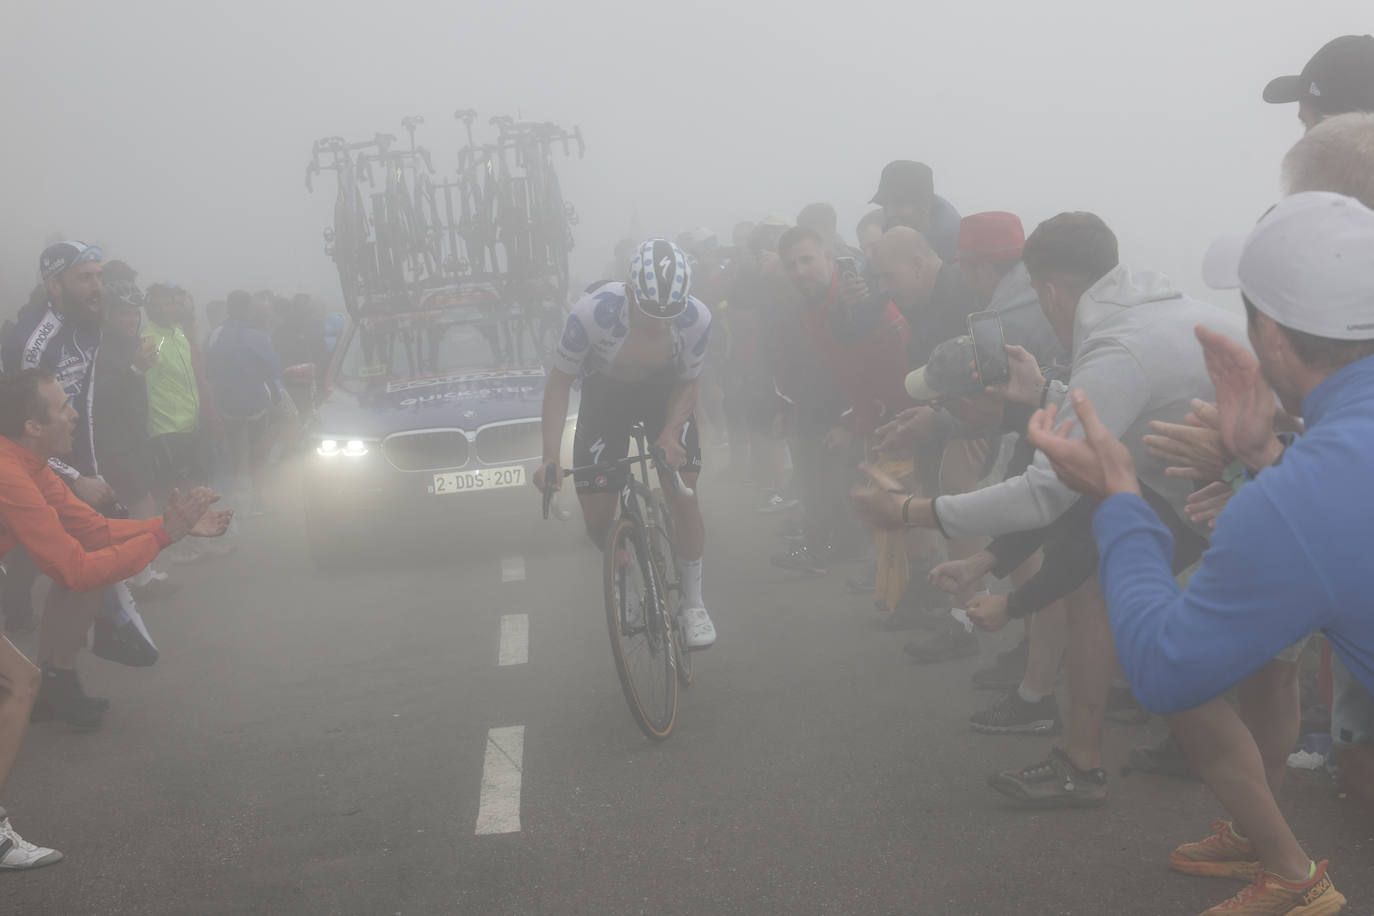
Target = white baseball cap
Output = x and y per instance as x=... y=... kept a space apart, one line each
x=1308 y=264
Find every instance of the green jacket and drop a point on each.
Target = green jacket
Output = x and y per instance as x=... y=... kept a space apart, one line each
x=173 y=398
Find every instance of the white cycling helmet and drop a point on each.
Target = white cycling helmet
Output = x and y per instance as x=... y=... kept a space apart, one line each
x=660 y=279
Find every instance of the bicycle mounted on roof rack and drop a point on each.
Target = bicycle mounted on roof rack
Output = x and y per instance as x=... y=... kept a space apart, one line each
x=500 y=223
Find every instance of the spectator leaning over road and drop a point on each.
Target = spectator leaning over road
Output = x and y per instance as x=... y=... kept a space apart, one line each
x=1289 y=551
x=81 y=550
x=246 y=375
x=1125 y=331
x=848 y=350
x=906 y=192
x=990 y=258
x=936 y=301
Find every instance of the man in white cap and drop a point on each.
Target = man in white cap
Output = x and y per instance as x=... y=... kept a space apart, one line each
x=1288 y=554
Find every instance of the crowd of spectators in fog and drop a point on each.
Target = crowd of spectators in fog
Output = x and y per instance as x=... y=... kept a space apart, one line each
x=1166 y=493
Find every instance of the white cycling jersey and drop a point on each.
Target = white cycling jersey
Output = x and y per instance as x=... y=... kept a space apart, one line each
x=598 y=326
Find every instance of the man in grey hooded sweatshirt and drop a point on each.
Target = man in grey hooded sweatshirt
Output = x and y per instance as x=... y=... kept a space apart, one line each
x=1131 y=337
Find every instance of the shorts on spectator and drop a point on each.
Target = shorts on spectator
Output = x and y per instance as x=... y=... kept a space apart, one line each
x=1352 y=708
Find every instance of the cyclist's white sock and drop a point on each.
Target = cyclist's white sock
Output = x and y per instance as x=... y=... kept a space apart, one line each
x=691 y=582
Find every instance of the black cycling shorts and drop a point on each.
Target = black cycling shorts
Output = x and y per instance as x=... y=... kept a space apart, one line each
x=607 y=411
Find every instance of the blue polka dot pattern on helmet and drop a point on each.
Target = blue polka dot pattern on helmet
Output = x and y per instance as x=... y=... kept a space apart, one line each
x=660 y=278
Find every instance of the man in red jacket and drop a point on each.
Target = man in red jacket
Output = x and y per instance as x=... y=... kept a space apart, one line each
x=845 y=346
x=81 y=550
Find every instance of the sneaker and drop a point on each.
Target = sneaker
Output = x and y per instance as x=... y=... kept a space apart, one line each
x=1221 y=855
x=1165 y=758
x=1009 y=714
x=802 y=558
x=62 y=697
x=18 y=853
x=1053 y=783
x=1006 y=672
x=701 y=632
x=792 y=533
x=1270 y=895
x=945 y=646
x=123 y=643
x=773 y=502
x=1124 y=709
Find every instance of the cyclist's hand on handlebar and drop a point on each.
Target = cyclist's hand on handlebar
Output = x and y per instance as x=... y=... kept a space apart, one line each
x=673 y=453
x=549 y=473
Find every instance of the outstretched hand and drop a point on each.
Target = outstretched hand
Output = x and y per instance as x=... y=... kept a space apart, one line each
x=213 y=523
x=1097 y=464
x=880 y=502
x=1245 y=403
x=184 y=511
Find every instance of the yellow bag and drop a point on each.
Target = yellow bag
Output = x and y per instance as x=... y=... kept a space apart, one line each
x=894 y=569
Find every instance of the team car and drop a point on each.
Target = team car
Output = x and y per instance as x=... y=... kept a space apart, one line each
x=430 y=415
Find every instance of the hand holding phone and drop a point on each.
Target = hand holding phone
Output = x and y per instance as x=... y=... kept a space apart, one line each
x=989 y=347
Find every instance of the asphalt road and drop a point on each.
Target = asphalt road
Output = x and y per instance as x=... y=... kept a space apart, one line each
x=312 y=744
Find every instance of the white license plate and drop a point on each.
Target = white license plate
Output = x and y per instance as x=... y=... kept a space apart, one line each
x=480 y=479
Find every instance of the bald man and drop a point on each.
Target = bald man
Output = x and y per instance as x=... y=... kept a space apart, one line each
x=934 y=296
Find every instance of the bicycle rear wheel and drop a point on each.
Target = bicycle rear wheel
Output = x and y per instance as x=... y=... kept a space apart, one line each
x=642 y=635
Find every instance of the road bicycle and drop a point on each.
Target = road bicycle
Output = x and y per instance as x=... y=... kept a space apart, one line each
x=349 y=243
x=643 y=588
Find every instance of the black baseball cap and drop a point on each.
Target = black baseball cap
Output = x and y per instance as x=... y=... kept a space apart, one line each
x=1339 y=78
x=947 y=374
x=904 y=181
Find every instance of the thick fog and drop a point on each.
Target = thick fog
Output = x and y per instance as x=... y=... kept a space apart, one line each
x=176 y=133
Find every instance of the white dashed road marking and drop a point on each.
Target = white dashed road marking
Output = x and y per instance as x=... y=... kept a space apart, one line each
x=512 y=569
x=515 y=640
x=499 y=808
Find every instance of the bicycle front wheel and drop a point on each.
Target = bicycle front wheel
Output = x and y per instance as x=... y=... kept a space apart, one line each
x=642 y=637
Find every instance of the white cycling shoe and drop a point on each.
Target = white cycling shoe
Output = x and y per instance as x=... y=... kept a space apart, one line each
x=701 y=632
x=18 y=853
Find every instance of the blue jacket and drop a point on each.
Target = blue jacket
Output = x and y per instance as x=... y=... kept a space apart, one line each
x=244 y=369
x=1290 y=555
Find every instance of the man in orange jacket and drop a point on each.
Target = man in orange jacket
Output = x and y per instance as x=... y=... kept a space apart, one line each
x=81 y=550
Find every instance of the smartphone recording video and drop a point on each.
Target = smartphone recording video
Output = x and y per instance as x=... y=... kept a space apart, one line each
x=989 y=347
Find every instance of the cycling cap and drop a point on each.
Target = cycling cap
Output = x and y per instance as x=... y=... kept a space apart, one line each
x=660 y=280
x=62 y=255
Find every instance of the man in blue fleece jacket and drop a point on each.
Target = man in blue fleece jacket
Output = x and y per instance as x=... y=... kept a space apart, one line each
x=1288 y=554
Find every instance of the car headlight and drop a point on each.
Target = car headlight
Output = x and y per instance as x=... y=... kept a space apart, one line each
x=347 y=448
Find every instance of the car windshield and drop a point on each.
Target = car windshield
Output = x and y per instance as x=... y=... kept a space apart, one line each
x=385 y=350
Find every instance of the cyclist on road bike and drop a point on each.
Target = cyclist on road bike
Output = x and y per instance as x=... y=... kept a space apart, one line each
x=639 y=347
